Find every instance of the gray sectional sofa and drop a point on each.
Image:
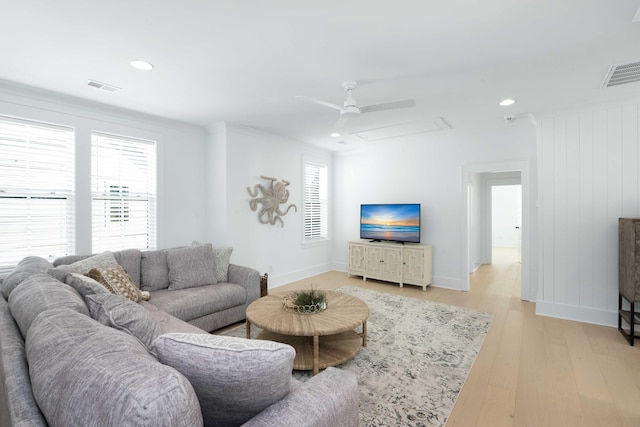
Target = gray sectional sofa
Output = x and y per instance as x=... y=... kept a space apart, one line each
x=132 y=347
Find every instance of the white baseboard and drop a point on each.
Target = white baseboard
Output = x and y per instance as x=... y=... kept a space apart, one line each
x=595 y=316
x=276 y=280
x=446 y=283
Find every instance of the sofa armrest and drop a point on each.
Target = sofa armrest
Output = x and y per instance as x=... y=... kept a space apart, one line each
x=329 y=399
x=246 y=277
x=18 y=407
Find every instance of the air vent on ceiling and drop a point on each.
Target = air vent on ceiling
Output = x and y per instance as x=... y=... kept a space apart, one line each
x=103 y=86
x=622 y=74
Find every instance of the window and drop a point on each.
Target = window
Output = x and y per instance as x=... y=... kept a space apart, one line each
x=315 y=201
x=36 y=191
x=123 y=193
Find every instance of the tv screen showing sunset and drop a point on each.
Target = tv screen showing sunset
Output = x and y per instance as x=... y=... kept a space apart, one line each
x=396 y=222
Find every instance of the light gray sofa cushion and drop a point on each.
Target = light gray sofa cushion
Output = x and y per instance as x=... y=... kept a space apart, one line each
x=82 y=266
x=192 y=303
x=84 y=285
x=168 y=323
x=329 y=399
x=154 y=271
x=25 y=268
x=124 y=315
x=191 y=267
x=17 y=405
x=129 y=259
x=234 y=378
x=41 y=292
x=102 y=377
x=222 y=256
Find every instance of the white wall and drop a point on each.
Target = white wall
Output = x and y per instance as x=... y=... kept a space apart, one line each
x=181 y=167
x=424 y=169
x=589 y=177
x=278 y=251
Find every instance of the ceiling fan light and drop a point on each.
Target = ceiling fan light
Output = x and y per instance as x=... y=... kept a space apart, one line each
x=506 y=102
x=141 y=64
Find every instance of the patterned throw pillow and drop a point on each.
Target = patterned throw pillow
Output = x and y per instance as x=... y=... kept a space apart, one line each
x=221 y=263
x=117 y=281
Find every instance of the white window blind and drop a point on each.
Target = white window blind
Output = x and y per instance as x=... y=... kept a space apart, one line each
x=123 y=193
x=315 y=201
x=36 y=191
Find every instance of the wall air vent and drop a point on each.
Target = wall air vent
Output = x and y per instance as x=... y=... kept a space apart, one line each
x=104 y=86
x=622 y=74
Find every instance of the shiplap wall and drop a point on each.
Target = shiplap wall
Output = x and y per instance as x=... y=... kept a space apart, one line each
x=588 y=178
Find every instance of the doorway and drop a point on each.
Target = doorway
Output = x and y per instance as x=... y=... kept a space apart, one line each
x=478 y=181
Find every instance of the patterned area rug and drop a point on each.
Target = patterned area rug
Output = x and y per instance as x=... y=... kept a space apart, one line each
x=417 y=358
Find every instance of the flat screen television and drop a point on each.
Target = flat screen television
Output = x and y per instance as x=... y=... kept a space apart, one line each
x=390 y=222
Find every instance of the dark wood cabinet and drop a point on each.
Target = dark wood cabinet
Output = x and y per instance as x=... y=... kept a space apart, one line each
x=628 y=277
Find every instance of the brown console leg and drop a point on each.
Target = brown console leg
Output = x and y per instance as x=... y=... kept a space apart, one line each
x=248 y=330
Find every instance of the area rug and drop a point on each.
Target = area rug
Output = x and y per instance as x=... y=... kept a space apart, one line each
x=417 y=358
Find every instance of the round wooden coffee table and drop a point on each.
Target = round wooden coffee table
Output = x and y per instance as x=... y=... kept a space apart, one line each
x=321 y=339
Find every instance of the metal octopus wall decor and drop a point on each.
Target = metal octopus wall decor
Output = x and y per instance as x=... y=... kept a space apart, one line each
x=272 y=197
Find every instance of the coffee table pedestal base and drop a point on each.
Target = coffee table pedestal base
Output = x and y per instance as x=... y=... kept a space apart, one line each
x=332 y=350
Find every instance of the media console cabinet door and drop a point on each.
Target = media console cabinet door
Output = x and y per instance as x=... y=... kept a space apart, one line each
x=356 y=259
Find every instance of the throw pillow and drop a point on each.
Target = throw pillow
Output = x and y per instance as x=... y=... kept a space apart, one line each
x=85 y=374
x=117 y=281
x=85 y=285
x=102 y=260
x=191 y=266
x=234 y=378
x=221 y=263
x=154 y=271
x=124 y=315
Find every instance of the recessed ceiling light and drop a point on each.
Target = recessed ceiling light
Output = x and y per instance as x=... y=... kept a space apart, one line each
x=141 y=65
x=335 y=134
x=506 y=102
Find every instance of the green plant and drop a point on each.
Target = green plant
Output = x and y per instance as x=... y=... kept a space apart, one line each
x=311 y=297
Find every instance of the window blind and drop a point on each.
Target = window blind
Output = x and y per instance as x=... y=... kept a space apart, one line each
x=315 y=201
x=123 y=193
x=36 y=191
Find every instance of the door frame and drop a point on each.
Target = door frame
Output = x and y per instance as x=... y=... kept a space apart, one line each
x=527 y=291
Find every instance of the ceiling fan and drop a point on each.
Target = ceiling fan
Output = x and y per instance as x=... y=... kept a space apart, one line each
x=350 y=108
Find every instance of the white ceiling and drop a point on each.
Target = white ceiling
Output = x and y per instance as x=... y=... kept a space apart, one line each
x=244 y=61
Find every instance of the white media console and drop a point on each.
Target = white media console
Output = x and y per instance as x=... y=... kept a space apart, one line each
x=407 y=263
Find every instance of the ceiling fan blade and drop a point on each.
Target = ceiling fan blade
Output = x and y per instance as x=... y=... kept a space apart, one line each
x=319 y=102
x=407 y=103
x=342 y=120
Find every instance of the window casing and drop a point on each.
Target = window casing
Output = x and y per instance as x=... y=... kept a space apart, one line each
x=36 y=191
x=315 y=202
x=123 y=193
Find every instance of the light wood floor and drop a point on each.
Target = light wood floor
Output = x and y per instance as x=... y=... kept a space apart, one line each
x=532 y=370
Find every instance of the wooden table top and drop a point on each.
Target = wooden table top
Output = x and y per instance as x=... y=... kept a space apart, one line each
x=344 y=313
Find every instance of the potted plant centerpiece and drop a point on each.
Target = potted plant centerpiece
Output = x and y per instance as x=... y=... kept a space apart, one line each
x=306 y=302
